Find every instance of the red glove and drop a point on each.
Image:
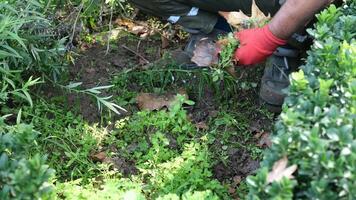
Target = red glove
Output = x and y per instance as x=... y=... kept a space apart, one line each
x=256 y=45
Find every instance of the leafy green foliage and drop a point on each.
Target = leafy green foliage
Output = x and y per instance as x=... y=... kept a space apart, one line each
x=316 y=130
x=228 y=45
x=110 y=188
x=22 y=51
x=227 y=52
x=167 y=151
x=69 y=139
x=22 y=176
x=173 y=162
x=91 y=14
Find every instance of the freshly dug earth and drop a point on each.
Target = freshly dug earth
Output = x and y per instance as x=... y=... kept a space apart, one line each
x=95 y=67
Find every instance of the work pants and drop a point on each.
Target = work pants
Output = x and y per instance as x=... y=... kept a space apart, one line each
x=201 y=15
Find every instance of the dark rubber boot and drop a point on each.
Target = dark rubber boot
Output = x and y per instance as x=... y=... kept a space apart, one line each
x=276 y=77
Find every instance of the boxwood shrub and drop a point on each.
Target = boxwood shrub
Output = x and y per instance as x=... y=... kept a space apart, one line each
x=317 y=128
x=22 y=175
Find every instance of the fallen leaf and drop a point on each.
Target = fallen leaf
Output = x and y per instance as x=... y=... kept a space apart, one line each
x=232 y=190
x=237 y=180
x=135 y=27
x=258 y=135
x=150 y=101
x=164 y=40
x=264 y=139
x=280 y=170
x=238 y=19
x=101 y=156
x=202 y=126
x=206 y=53
x=235 y=19
x=231 y=70
x=125 y=22
x=138 y=30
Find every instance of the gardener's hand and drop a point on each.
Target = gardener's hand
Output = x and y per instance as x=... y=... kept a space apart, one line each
x=256 y=45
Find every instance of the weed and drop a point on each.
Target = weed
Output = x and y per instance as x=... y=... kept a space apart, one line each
x=69 y=140
x=229 y=46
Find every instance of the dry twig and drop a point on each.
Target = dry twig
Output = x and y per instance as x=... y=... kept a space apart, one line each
x=136 y=53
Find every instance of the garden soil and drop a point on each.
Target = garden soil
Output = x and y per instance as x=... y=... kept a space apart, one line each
x=94 y=66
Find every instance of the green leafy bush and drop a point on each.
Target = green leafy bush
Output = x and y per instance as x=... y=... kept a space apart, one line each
x=317 y=129
x=22 y=178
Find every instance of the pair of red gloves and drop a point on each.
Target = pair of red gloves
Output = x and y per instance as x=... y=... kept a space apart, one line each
x=256 y=45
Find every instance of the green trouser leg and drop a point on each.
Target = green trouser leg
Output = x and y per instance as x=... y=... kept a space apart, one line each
x=200 y=15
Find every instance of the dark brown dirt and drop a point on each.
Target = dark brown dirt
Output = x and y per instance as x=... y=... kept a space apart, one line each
x=95 y=68
x=126 y=167
x=205 y=107
x=240 y=164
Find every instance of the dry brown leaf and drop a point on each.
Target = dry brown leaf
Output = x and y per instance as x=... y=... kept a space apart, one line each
x=101 y=156
x=232 y=190
x=206 y=53
x=237 y=19
x=264 y=140
x=280 y=170
x=231 y=70
x=137 y=28
x=164 y=41
x=125 y=22
x=202 y=126
x=237 y=180
x=149 y=101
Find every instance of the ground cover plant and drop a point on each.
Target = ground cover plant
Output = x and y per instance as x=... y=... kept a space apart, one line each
x=68 y=67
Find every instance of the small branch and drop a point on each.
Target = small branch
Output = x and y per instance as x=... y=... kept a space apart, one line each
x=75 y=22
x=137 y=54
x=110 y=30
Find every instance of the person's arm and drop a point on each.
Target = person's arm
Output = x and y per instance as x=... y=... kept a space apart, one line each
x=293 y=15
x=257 y=44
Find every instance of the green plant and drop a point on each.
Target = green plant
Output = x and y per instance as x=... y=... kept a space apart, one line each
x=95 y=92
x=168 y=76
x=110 y=188
x=69 y=138
x=22 y=52
x=23 y=175
x=316 y=131
x=228 y=45
x=171 y=157
x=227 y=52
